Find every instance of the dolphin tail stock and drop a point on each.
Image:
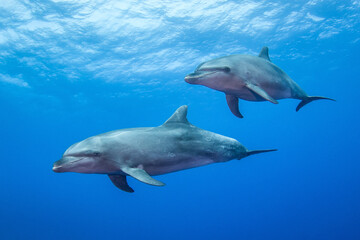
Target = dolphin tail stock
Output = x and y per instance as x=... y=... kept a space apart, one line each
x=310 y=99
x=252 y=152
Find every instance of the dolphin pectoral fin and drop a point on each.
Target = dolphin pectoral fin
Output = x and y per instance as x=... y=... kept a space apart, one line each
x=233 y=103
x=261 y=92
x=120 y=182
x=142 y=176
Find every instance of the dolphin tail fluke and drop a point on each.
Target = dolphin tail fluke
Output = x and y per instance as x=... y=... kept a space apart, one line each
x=252 y=152
x=310 y=99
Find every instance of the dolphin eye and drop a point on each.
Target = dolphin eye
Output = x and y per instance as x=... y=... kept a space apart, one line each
x=227 y=69
x=91 y=153
x=96 y=153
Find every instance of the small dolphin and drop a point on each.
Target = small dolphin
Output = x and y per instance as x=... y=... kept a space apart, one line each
x=142 y=152
x=252 y=78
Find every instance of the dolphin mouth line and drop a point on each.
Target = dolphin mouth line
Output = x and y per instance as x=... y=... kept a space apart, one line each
x=206 y=71
x=200 y=75
x=68 y=163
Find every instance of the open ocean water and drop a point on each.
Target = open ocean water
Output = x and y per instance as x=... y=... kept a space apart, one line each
x=71 y=69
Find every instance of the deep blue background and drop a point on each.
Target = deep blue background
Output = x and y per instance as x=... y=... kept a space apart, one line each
x=309 y=189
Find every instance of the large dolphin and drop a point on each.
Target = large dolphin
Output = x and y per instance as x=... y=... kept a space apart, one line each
x=252 y=78
x=142 y=152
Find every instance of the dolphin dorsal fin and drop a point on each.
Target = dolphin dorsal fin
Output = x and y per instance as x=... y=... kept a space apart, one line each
x=264 y=53
x=179 y=116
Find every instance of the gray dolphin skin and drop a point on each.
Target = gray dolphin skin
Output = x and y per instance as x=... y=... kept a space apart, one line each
x=252 y=78
x=142 y=152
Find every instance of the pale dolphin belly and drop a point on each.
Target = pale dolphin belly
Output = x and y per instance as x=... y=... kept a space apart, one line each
x=272 y=89
x=176 y=165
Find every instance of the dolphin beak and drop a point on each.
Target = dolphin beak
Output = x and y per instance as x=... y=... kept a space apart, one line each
x=56 y=169
x=200 y=73
x=64 y=163
x=57 y=166
x=190 y=78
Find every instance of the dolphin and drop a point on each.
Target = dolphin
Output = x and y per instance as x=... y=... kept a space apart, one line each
x=143 y=152
x=252 y=78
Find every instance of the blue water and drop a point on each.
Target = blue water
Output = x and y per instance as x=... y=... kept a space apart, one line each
x=74 y=69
